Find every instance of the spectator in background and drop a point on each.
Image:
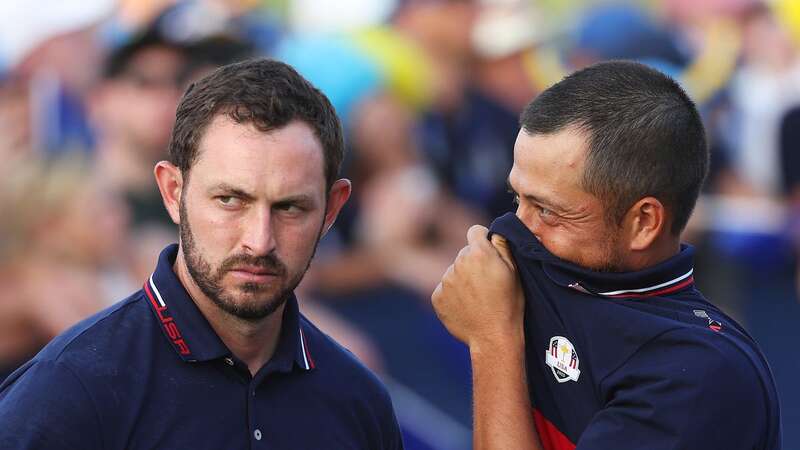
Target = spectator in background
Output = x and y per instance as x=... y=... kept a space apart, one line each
x=790 y=156
x=790 y=169
x=58 y=73
x=15 y=118
x=377 y=274
x=54 y=267
x=467 y=132
x=132 y=111
x=133 y=107
x=766 y=85
x=378 y=266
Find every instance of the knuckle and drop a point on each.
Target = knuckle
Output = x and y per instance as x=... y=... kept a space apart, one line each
x=447 y=275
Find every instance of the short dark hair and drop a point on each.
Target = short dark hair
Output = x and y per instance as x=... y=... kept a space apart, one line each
x=267 y=93
x=645 y=136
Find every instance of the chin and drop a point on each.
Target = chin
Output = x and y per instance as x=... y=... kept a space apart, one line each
x=250 y=307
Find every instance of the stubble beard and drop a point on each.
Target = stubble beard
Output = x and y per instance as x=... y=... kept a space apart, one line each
x=258 y=303
x=613 y=260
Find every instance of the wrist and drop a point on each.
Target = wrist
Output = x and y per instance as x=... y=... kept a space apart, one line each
x=508 y=341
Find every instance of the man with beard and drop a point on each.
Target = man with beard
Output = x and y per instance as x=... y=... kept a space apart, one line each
x=213 y=353
x=580 y=312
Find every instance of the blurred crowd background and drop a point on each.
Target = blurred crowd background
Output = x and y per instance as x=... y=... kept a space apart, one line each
x=429 y=92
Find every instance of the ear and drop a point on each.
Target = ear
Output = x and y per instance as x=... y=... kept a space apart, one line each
x=645 y=222
x=170 y=183
x=337 y=197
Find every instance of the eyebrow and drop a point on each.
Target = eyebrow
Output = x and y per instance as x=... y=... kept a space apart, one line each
x=543 y=201
x=229 y=189
x=298 y=199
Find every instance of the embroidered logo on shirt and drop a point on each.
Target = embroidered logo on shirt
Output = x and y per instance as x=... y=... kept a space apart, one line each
x=713 y=324
x=562 y=359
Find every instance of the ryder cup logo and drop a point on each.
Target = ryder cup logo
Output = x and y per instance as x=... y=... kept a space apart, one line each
x=562 y=359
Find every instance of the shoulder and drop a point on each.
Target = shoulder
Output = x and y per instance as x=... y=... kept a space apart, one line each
x=339 y=365
x=695 y=378
x=686 y=388
x=58 y=398
x=698 y=356
x=45 y=404
x=94 y=344
x=706 y=351
x=344 y=380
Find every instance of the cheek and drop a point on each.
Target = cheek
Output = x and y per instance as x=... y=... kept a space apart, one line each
x=214 y=233
x=560 y=244
x=578 y=246
x=295 y=241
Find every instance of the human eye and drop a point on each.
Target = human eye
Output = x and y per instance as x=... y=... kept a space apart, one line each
x=290 y=208
x=228 y=201
x=514 y=195
x=547 y=215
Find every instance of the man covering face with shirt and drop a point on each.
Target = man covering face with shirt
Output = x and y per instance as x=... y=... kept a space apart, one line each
x=579 y=310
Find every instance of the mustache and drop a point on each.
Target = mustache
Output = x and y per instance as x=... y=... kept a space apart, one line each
x=269 y=262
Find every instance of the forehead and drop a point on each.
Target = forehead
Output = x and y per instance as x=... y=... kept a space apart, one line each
x=554 y=160
x=283 y=161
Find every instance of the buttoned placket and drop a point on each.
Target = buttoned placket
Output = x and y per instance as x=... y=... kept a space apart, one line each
x=171 y=303
x=256 y=435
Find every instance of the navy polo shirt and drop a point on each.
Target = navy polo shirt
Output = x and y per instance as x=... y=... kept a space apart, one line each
x=637 y=360
x=150 y=372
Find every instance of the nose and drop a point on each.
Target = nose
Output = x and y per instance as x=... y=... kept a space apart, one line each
x=258 y=237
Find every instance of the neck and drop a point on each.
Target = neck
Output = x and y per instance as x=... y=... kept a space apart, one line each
x=253 y=342
x=660 y=251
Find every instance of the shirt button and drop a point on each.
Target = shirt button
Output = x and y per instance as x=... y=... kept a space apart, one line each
x=257 y=434
x=229 y=361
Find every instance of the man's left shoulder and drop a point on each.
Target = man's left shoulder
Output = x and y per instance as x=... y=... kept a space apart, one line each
x=715 y=372
x=341 y=379
x=338 y=365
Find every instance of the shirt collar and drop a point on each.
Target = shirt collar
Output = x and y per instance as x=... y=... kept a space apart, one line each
x=673 y=275
x=292 y=350
x=193 y=338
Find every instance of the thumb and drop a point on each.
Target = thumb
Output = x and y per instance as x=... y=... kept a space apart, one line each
x=501 y=245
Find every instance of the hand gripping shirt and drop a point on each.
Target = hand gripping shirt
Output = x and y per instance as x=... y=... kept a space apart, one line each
x=637 y=360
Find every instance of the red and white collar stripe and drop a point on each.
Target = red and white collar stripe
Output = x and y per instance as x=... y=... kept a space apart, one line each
x=661 y=288
x=307 y=361
x=155 y=291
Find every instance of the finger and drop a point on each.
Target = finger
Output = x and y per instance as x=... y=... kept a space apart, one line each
x=501 y=245
x=436 y=295
x=462 y=253
x=477 y=236
x=448 y=274
x=436 y=301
